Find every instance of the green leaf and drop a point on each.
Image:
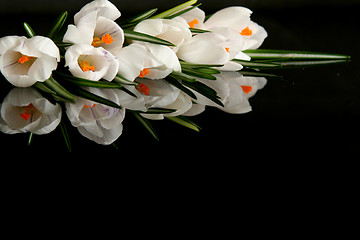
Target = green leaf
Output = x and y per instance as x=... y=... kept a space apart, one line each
x=183 y=121
x=182 y=11
x=177 y=83
x=256 y=65
x=121 y=80
x=175 y=9
x=42 y=87
x=135 y=20
x=146 y=125
x=145 y=38
x=58 y=24
x=205 y=91
x=285 y=54
x=87 y=83
x=31 y=135
x=197 y=30
x=156 y=111
x=194 y=65
x=258 y=74
x=196 y=73
x=29 y=30
x=93 y=97
x=182 y=76
x=65 y=134
x=301 y=64
x=52 y=84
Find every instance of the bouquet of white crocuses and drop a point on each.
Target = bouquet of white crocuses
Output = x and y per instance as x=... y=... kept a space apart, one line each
x=166 y=66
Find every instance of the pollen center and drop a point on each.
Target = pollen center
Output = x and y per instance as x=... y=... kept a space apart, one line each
x=29 y=111
x=143 y=89
x=193 y=22
x=246 y=32
x=24 y=59
x=246 y=89
x=144 y=72
x=85 y=66
x=87 y=106
x=107 y=39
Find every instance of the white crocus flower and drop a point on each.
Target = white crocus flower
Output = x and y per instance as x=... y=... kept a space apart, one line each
x=85 y=61
x=25 y=61
x=147 y=61
x=234 y=91
x=175 y=31
x=26 y=110
x=236 y=18
x=95 y=121
x=241 y=89
x=94 y=28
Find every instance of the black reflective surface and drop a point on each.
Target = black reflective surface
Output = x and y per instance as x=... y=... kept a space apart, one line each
x=310 y=115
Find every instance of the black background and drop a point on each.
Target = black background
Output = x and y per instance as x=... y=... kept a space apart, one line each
x=309 y=116
x=292 y=158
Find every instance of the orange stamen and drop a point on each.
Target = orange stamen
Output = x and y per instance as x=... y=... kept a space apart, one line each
x=107 y=38
x=193 y=22
x=87 y=106
x=246 y=89
x=85 y=66
x=143 y=89
x=29 y=110
x=227 y=49
x=144 y=72
x=246 y=32
x=24 y=59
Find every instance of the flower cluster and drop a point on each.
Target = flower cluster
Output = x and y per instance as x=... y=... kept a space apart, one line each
x=170 y=65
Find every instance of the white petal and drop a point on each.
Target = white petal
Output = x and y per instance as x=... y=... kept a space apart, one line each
x=104 y=26
x=195 y=14
x=233 y=17
x=108 y=135
x=104 y=8
x=161 y=55
x=161 y=93
x=242 y=56
x=131 y=61
x=205 y=48
x=257 y=38
x=182 y=104
x=231 y=66
x=232 y=40
x=195 y=109
x=45 y=46
x=42 y=68
x=9 y=42
x=83 y=32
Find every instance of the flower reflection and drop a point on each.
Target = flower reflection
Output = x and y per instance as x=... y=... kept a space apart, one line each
x=26 y=110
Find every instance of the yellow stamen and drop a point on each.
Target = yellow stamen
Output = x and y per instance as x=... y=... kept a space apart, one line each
x=144 y=72
x=246 y=89
x=246 y=32
x=107 y=39
x=85 y=66
x=193 y=22
x=24 y=59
